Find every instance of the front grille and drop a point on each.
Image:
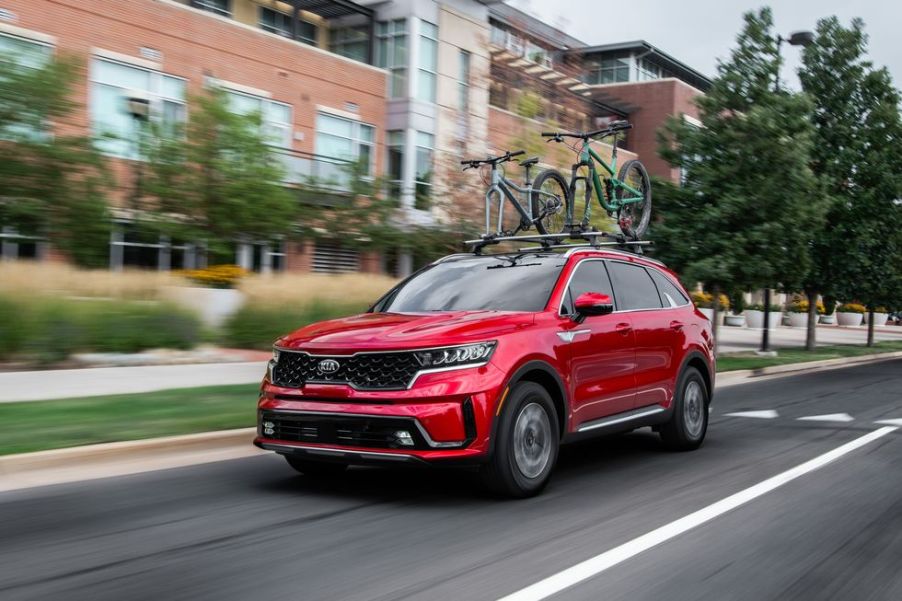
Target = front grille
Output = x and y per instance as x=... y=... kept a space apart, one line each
x=343 y=430
x=366 y=371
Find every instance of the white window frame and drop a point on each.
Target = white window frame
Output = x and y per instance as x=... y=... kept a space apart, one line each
x=387 y=35
x=285 y=128
x=431 y=70
x=356 y=139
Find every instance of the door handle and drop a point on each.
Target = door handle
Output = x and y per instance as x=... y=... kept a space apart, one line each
x=623 y=328
x=676 y=325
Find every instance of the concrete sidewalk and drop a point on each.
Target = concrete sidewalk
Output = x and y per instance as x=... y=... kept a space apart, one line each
x=734 y=340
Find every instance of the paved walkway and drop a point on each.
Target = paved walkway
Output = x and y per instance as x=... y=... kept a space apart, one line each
x=57 y=384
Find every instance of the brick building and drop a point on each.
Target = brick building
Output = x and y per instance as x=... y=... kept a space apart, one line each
x=393 y=83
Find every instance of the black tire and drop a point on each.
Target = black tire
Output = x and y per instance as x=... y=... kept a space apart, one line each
x=685 y=431
x=552 y=182
x=634 y=217
x=528 y=419
x=316 y=469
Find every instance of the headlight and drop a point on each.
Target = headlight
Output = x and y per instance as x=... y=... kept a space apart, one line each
x=456 y=355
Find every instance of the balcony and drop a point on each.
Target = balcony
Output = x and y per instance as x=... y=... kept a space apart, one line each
x=318 y=179
x=339 y=26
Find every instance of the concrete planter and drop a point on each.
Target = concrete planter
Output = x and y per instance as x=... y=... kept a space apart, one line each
x=709 y=313
x=828 y=319
x=849 y=319
x=798 y=320
x=213 y=305
x=755 y=319
x=736 y=321
x=880 y=319
x=776 y=319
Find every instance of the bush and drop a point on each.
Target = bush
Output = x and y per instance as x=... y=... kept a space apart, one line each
x=216 y=276
x=49 y=330
x=255 y=326
x=801 y=306
x=705 y=300
x=756 y=307
x=852 y=308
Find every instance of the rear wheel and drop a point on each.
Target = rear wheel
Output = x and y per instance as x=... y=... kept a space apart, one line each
x=689 y=422
x=551 y=196
x=634 y=217
x=316 y=469
x=526 y=447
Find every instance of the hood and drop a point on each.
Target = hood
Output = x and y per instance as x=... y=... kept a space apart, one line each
x=388 y=331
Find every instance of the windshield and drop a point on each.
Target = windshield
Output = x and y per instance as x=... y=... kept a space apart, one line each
x=503 y=283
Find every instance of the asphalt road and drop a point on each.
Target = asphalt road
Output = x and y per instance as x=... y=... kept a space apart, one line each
x=252 y=529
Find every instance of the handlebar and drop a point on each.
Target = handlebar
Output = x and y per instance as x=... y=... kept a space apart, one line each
x=613 y=128
x=508 y=156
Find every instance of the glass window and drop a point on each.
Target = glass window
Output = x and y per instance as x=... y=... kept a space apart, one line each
x=395 y=151
x=609 y=70
x=275 y=22
x=25 y=53
x=426 y=78
x=112 y=83
x=425 y=143
x=498 y=283
x=391 y=54
x=346 y=140
x=220 y=7
x=671 y=295
x=463 y=90
x=351 y=42
x=633 y=287
x=590 y=276
x=276 y=116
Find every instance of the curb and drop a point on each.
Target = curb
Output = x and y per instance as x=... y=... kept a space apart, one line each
x=90 y=462
x=729 y=378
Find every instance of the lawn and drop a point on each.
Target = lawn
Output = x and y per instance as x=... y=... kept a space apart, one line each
x=42 y=425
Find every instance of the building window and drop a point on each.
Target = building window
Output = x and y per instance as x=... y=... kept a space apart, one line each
x=428 y=66
x=394 y=144
x=345 y=140
x=276 y=115
x=130 y=246
x=538 y=55
x=351 y=42
x=392 y=55
x=279 y=23
x=425 y=143
x=507 y=40
x=610 y=70
x=112 y=83
x=647 y=70
x=463 y=86
x=261 y=256
x=220 y=7
x=23 y=52
x=16 y=246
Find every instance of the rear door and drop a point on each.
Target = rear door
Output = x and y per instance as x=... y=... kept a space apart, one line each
x=638 y=299
x=602 y=355
x=677 y=317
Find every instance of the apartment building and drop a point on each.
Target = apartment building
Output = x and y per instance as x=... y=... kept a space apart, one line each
x=405 y=86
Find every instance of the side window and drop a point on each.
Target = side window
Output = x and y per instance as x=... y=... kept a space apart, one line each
x=635 y=288
x=590 y=276
x=671 y=295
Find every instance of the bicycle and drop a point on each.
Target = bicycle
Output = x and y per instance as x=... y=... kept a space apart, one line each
x=545 y=208
x=628 y=194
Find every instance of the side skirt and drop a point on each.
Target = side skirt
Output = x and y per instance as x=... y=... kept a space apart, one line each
x=650 y=415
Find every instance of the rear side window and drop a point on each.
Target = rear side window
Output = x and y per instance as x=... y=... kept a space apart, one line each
x=590 y=276
x=633 y=287
x=671 y=295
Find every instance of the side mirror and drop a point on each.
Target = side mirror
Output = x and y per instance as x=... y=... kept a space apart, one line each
x=592 y=303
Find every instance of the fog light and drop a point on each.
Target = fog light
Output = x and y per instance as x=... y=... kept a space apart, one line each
x=268 y=425
x=404 y=438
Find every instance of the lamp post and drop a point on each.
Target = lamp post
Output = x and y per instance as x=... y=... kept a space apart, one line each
x=796 y=38
x=138 y=106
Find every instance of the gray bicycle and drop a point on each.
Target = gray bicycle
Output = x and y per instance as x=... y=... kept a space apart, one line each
x=545 y=207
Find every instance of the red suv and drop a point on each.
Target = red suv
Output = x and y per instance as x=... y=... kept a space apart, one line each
x=494 y=360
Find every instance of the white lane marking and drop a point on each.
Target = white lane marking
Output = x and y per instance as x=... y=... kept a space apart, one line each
x=595 y=565
x=766 y=414
x=831 y=417
x=890 y=422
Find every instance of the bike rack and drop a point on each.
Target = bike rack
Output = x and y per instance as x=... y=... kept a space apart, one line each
x=592 y=239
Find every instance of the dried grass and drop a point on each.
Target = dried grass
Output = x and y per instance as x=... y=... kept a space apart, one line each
x=300 y=290
x=21 y=278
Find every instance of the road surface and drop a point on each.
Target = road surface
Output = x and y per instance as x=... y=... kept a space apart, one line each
x=252 y=529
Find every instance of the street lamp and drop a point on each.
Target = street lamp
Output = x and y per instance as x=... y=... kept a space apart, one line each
x=137 y=104
x=796 y=38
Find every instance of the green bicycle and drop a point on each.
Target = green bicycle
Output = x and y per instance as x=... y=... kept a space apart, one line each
x=628 y=194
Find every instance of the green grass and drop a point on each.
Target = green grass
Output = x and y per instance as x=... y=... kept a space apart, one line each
x=749 y=360
x=42 y=425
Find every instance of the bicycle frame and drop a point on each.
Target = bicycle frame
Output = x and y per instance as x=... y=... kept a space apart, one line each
x=607 y=197
x=501 y=188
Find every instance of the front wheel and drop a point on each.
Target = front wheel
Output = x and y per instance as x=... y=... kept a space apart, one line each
x=550 y=200
x=635 y=208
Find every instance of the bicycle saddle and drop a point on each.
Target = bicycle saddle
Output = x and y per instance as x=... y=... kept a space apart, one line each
x=528 y=162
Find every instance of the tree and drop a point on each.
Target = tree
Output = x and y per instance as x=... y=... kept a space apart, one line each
x=217 y=180
x=833 y=75
x=52 y=184
x=748 y=191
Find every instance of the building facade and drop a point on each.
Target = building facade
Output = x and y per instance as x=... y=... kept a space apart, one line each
x=406 y=87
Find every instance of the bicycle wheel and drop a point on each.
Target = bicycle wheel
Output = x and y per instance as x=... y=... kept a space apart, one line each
x=634 y=217
x=550 y=198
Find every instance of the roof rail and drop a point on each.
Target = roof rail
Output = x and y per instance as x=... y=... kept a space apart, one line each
x=591 y=239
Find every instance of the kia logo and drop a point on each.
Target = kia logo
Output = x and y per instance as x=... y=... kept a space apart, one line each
x=328 y=366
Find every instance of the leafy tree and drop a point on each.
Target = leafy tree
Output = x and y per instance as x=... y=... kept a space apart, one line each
x=52 y=183
x=217 y=179
x=748 y=191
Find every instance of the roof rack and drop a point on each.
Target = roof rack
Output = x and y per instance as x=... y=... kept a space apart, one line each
x=592 y=239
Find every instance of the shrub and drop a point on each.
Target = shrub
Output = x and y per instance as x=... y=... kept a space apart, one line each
x=705 y=300
x=852 y=308
x=755 y=307
x=801 y=306
x=216 y=276
x=881 y=309
x=256 y=326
